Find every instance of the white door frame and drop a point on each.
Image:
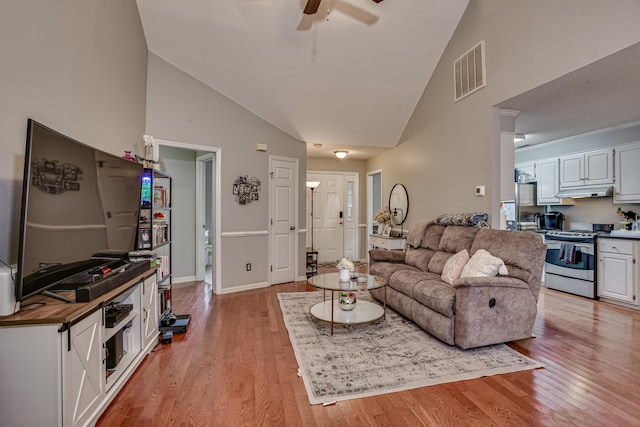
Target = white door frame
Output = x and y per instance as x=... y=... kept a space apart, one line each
x=217 y=286
x=296 y=197
x=370 y=212
x=201 y=188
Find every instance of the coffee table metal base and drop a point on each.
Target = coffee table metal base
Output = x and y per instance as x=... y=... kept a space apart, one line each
x=330 y=311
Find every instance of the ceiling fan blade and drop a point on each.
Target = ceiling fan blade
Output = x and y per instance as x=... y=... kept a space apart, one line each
x=311 y=7
x=305 y=23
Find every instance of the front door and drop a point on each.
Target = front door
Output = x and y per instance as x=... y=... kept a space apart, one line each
x=328 y=215
x=283 y=219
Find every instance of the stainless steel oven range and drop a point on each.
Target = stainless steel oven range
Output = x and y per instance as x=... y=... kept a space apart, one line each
x=570 y=262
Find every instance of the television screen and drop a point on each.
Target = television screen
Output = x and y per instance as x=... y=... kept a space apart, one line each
x=77 y=201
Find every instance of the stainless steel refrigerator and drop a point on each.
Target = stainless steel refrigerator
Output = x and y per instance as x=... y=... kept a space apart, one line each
x=525 y=211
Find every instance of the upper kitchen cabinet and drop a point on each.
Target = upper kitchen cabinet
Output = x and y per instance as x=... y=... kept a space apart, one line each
x=627 y=185
x=548 y=181
x=586 y=169
x=528 y=168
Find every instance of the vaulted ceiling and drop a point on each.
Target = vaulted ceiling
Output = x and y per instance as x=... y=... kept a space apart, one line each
x=350 y=75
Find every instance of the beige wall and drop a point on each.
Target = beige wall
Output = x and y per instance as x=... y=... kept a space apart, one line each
x=182 y=109
x=448 y=148
x=348 y=165
x=77 y=66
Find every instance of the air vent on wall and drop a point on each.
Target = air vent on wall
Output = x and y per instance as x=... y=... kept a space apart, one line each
x=469 y=72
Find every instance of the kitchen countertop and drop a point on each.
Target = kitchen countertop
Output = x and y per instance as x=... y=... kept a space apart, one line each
x=623 y=234
x=617 y=234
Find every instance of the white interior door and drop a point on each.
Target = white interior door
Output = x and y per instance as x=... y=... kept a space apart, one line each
x=283 y=219
x=328 y=216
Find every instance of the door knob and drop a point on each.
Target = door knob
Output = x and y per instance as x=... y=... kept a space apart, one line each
x=292 y=227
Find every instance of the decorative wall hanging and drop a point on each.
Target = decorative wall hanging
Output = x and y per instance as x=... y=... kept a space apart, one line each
x=246 y=189
x=53 y=178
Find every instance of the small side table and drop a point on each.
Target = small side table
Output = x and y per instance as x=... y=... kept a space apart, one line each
x=377 y=241
x=312 y=262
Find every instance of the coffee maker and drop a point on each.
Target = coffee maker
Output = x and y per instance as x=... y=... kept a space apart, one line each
x=553 y=220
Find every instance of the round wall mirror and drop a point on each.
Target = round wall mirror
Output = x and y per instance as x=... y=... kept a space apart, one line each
x=398 y=204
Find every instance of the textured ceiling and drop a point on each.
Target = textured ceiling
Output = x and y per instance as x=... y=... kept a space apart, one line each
x=603 y=94
x=350 y=77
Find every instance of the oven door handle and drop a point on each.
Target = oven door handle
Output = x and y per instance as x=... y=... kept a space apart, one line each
x=586 y=248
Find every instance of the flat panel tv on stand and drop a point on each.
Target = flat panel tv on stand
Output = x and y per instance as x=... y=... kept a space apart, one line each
x=77 y=201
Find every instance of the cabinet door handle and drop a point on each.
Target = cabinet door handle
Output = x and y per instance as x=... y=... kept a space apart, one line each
x=292 y=227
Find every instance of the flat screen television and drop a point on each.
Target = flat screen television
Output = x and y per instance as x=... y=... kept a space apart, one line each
x=77 y=201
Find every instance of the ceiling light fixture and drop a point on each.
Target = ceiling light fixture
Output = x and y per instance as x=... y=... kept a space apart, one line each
x=517 y=137
x=341 y=154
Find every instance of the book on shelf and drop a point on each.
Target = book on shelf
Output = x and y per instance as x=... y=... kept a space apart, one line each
x=163 y=267
x=159 y=234
x=161 y=196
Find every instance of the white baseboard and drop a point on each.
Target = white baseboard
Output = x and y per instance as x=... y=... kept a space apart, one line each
x=179 y=280
x=245 y=287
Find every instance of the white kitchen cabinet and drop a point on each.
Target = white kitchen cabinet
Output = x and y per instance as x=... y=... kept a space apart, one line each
x=548 y=181
x=627 y=169
x=617 y=270
x=586 y=169
x=528 y=168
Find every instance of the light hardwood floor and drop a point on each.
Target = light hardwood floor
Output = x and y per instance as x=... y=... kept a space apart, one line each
x=235 y=366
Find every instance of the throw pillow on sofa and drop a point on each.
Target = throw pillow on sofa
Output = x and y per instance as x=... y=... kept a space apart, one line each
x=483 y=264
x=453 y=267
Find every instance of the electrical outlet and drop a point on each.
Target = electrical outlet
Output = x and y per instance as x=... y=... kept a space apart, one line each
x=248 y=266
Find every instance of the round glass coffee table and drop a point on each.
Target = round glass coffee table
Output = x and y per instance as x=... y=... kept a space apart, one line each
x=363 y=311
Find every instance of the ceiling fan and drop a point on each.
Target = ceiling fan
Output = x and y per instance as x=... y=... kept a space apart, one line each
x=313 y=5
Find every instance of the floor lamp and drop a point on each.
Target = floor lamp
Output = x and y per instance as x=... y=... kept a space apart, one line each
x=312 y=185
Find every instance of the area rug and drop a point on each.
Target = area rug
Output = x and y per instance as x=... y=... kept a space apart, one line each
x=389 y=355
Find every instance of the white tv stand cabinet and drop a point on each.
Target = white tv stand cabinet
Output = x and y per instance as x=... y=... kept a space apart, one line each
x=53 y=357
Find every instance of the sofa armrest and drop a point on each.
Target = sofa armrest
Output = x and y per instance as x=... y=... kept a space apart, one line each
x=382 y=255
x=490 y=282
x=491 y=310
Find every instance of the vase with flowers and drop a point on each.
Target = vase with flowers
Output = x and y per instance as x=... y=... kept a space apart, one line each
x=383 y=216
x=345 y=267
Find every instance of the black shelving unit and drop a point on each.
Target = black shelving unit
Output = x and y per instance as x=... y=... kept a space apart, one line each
x=154 y=230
